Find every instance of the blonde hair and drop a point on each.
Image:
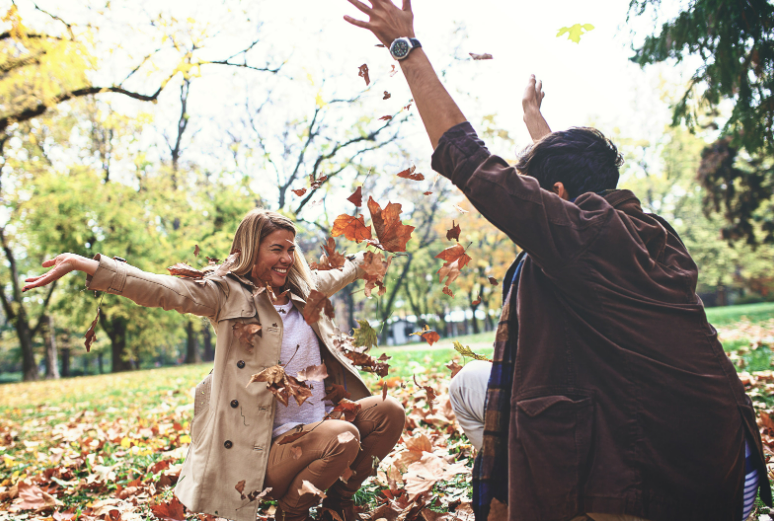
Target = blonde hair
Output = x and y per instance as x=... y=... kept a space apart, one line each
x=255 y=227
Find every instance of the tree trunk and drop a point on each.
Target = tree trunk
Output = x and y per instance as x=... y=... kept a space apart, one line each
x=101 y=362
x=65 y=361
x=49 y=340
x=116 y=330
x=191 y=345
x=722 y=296
x=209 y=354
x=29 y=367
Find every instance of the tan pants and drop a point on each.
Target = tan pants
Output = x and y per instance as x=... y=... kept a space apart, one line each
x=329 y=450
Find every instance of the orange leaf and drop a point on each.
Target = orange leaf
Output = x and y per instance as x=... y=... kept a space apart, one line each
x=363 y=73
x=391 y=232
x=409 y=174
x=316 y=304
x=431 y=337
x=455 y=368
x=307 y=487
x=476 y=302
x=357 y=197
x=172 y=510
x=346 y=410
x=427 y=193
x=299 y=192
x=196 y=250
x=393 y=71
x=335 y=393
x=453 y=233
x=385 y=118
x=429 y=391
x=351 y=227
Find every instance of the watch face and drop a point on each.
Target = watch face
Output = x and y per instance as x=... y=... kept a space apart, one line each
x=400 y=48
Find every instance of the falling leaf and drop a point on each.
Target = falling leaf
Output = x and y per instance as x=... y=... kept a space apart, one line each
x=427 y=193
x=345 y=437
x=476 y=302
x=308 y=488
x=317 y=183
x=313 y=373
x=408 y=107
x=453 y=233
x=485 y=56
x=196 y=250
x=574 y=32
x=493 y=281
x=393 y=71
x=448 y=291
x=290 y=438
x=456 y=259
x=375 y=267
x=409 y=174
x=330 y=258
x=387 y=95
x=429 y=391
x=380 y=45
x=427 y=335
x=467 y=352
x=365 y=335
x=335 y=393
x=299 y=192
x=296 y=452
x=368 y=363
x=185 y=271
x=454 y=367
x=391 y=232
x=246 y=333
x=271 y=375
x=282 y=385
x=357 y=197
x=317 y=303
x=256 y=495
x=240 y=487
x=91 y=334
x=224 y=268
x=384 y=391
x=363 y=73
x=385 y=118
x=346 y=409
x=172 y=510
x=459 y=209
x=351 y=227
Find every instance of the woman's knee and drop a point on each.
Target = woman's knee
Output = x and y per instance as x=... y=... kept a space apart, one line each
x=346 y=440
x=394 y=413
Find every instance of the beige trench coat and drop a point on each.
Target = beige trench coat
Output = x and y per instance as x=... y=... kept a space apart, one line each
x=232 y=426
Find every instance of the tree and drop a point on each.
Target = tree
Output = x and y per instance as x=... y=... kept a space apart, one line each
x=735 y=42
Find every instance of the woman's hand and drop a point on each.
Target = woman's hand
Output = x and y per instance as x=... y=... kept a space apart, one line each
x=63 y=264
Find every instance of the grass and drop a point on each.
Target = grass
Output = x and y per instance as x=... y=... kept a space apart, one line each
x=730 y=314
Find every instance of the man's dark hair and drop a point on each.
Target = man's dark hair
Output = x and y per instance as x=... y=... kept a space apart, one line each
x=581 y=158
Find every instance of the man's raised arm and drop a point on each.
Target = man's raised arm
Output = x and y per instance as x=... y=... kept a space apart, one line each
x=438 y=110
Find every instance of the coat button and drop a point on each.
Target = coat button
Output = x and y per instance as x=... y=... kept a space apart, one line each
x=228 y=444
x=234 y=404
x=241 y=364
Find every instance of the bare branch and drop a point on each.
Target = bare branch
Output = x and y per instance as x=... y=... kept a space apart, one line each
x=55 y=17
x=242 y=65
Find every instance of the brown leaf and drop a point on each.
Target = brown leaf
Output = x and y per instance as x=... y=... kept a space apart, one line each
x=172 y=510
x=246 y=333
x=391 y=232
x=271 y=375
x=385 y=118
x=185 y=271
x=316 y=304
x=34 y=498
x=196 y=250
x=476 y=302
x=357 y=197
x=330 y=259
x=422 y=475
x=308 y=488
x=282 y=385
x=290 y=438
x=91 y=334
x=317 y=183
x=313 y=373
x=447 y=290
x=387 y=95
x=335 y=393
x=384 y=391
x=296 y=452
x=454 y=367
x=493 y=281
x=224 y=268
x=409 y=174
x=454 y=233
x=456 y=259
x=240 y=487
x=299 y=192
x=351 y=227
x=346 y=409
x=408 y=107
x=427 y=193
x=431 y=337
x=429 y=391
x=485 y=56
x=363 y=73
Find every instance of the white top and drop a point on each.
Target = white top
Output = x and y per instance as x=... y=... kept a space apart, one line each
x=296 y=332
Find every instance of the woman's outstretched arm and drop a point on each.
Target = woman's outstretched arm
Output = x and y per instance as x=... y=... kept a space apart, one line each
x=62 y=265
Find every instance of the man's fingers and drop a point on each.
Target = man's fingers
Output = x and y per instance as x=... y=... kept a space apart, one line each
x=361 y=6
x=407 y=5
x=358 y=23
x=539 y=87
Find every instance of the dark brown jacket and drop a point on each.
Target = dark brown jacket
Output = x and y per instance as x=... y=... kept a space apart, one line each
x=623 y=399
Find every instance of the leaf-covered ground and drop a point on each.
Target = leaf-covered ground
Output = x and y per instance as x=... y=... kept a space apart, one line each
x=111 y=447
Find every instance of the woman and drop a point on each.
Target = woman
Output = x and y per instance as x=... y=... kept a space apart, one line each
x=234 y=453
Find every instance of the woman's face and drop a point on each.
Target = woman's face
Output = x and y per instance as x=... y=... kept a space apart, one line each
x=275 y=257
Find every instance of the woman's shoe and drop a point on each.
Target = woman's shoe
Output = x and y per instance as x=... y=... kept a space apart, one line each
x=344 y=507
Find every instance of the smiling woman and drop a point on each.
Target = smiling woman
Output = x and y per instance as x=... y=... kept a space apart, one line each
x=238 y=452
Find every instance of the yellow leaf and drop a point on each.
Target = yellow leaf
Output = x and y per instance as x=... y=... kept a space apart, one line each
x=574 y=32
x=126 y=443
x=185 y=438
x=9 y=462
x=319 y=101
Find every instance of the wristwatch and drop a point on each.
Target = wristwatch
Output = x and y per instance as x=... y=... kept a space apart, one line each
x=401 y=47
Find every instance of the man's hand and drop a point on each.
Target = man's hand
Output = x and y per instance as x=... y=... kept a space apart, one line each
x=530 y=103
x=386 y=21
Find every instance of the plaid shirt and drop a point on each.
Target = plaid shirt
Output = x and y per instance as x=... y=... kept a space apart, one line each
x=490 y=471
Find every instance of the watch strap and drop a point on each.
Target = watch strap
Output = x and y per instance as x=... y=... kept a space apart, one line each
x=415 y=43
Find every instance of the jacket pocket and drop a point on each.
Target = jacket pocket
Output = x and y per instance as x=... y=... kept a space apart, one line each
x=201 y=406
x=555 y=437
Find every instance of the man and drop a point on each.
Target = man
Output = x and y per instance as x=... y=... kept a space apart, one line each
x=610 y=395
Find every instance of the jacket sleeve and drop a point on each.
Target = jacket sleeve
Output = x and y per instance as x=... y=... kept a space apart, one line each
x=553 y=231
x=331 y=281
x=199 y=297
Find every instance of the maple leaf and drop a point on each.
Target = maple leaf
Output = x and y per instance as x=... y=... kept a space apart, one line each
x=427 y=335
x=282 y=385
x=493 y=281
x=224 y=268
x=385 y=118
x=308 y=488
x=299 y=192
x=196 y=250
x=409 y=174
x=375 y=267
x=185 y=271
x=357 y=197
x=313 y=373
x=316 y=304
x=365 y=335
x=271 y=375
x=467 y=352
x=363 y=73
x=335 y=393
x=456 y=259
x=352 y=227
x=485 y=56
x=391 y=232
x=346 y=409
x=246 y=333
x=330 y=258
x=454 y=233
x=387 y=95
x=574 y=32
x=454 y=367
x=91 y=334
x=172 y=510
x=476 y=302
